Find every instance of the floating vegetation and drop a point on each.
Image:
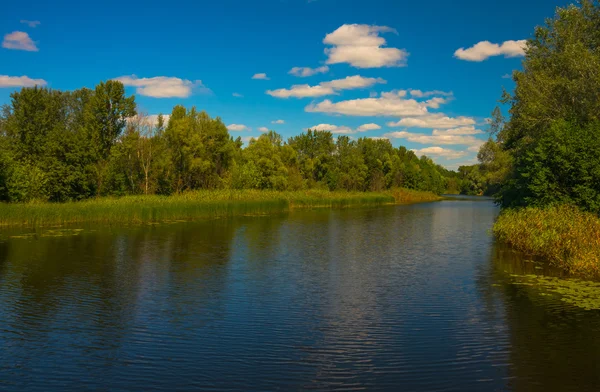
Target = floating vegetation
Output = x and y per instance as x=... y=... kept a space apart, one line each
x=60 y=232
x=579 y=293
x=22 y=236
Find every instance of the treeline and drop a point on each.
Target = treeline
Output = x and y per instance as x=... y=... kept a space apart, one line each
x=547 y=152
x=64 y=146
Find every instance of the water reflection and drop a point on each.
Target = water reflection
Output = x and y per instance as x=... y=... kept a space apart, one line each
x=553 y=344
x=403 y=297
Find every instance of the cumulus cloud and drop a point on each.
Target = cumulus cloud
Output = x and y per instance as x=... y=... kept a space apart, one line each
x=263 y=129
x=368 y=127
x=151 y=119
x=393 y=103
x=246 y=139
x=237 y=127
x=237 y=95
x=425 y=94
x=163 y=86
x=20 y=81
x=19 y=40
x=301 y=91
x=507 y=76
x=485 y=49
x=325 y=88
x=439 y=138
x=344 y=129
x=362 y=47
x=433 y=120
x=260 y=76
x=441 y=152
x=31 y=23
x=277 y=122
x=303 y=72
x=458 y=131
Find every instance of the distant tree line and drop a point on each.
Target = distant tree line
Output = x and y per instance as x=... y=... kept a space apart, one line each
x=63 y=146
x=548 y=151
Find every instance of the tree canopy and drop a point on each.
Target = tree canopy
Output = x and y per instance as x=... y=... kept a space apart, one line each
x=62 y=146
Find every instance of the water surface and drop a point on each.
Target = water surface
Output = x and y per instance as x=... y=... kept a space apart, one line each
x=412 y=298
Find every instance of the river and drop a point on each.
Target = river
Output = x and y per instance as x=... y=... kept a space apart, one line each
x=398 y=298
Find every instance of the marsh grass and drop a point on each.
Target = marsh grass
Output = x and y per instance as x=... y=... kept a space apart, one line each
x=193 y=206
x=563 y=235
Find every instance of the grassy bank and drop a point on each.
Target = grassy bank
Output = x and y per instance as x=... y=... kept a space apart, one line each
x=194 y=205
x=565 y=236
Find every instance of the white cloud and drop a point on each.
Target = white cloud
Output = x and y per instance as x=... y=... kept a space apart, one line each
x=237 y=95
x=20 y=81
x=31 y=23
x=424 y=94
x=485 y=49
x=344 y=129
x=325 y=88
x=163 y=86
x=263 y=129
x=278 y=122
x=260 y=76
x=507 y=76
x=433 y=120
x=301 y=91
x=393 y=103
x=443 y=138
x=332 y=128
x=470 y=130
x=352 y=82
x=441 y=152
x=237 y=127
x=368 y=127
x=362 y=47
x=152 y=119
x=306 y=71
x=19 y=40
x=246 y=139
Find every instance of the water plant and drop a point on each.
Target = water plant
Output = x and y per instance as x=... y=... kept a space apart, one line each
x=194 y=205
x=564 y=235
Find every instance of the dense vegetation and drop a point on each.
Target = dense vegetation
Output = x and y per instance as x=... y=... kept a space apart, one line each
x=547 y=153
x=564 y=235
x=149 y=209
x=66 y=146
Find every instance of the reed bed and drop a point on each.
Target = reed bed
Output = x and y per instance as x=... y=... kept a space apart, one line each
x=563 y=235
x=193 y=206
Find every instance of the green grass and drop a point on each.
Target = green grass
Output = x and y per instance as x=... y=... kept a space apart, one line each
x=563 y=235
x=193 y=206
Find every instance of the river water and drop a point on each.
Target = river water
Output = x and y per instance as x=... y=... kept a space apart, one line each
x=398 y=298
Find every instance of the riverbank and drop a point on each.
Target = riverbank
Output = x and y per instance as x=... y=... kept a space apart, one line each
x=195 y=205
x=564 y=235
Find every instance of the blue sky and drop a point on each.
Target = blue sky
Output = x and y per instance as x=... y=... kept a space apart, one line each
x=379 y=68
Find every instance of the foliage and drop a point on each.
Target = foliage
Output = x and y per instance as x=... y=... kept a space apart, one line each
x=68 y=146
x=552 y=135
x=193 y=205
x=564 y=235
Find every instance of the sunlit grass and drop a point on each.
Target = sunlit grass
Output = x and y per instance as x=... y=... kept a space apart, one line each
x=193 y=206
x=563 y=235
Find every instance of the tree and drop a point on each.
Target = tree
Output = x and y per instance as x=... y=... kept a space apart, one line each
x=558 y=91
x=107 y=114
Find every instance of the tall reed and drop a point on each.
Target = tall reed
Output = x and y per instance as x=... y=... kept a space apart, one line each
x=564 y=235
x=193 y=205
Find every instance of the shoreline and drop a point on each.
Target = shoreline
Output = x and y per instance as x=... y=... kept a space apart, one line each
x=196 y=205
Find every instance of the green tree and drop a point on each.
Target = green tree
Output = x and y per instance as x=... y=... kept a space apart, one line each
x=559 y=85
